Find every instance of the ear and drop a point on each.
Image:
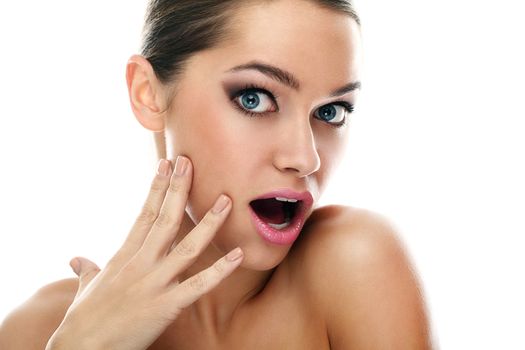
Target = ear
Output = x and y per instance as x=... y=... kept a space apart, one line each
x=145 y=93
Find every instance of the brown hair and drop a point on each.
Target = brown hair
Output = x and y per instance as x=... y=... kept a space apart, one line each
x=174 y=30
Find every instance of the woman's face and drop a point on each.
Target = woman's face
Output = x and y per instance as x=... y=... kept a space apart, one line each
x=249 y=131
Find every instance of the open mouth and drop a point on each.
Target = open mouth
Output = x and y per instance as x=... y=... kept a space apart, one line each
x=276 y=212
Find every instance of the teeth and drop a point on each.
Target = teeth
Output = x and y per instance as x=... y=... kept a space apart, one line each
x=280 y=226
x=282 y=199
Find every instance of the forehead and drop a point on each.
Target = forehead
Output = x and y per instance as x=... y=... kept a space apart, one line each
x=297 y=35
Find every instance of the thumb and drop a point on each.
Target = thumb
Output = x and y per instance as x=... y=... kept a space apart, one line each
x=85 y=269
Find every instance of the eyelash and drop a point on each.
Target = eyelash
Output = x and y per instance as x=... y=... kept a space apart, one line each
x=254 y=88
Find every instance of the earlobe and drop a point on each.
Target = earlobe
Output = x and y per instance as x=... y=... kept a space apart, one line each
x=144 y=93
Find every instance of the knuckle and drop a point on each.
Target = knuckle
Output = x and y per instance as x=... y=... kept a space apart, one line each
x=175 y=187
x=147 y=215
x=164 y=220
x=198 y=283
x=157 y=186
x=186 y=247
x=219 y=266
x=134 y=266
x=129 y=269
x=208 y=222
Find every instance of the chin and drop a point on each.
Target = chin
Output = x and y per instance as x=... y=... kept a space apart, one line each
x=258 y=261
x=259 y=255
x=262 y=259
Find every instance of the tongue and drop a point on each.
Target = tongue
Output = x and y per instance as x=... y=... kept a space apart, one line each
x=269 y=210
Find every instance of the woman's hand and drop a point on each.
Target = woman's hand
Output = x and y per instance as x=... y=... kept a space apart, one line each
x=137 y=295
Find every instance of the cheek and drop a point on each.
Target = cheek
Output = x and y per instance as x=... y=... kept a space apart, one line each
x=211 y=138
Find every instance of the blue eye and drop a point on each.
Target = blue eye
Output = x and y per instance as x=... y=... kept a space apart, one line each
x=250 y=101
x=335 y=113
x=255 y=101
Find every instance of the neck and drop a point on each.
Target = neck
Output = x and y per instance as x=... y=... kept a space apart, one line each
x=215 y=310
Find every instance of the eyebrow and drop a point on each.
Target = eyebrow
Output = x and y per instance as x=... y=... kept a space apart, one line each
x=288 y=78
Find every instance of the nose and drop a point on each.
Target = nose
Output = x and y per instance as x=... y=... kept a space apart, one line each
x=296 y=150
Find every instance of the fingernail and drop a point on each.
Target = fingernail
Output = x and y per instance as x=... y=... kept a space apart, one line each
x=220 y=204
x=181 y=165
x=75 y=265
x=163 y=167
x=235 y=254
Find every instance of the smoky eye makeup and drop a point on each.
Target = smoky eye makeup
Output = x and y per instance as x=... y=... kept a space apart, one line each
x=258 y=100
x=251 y=94
x=233 y=89
x=253 y=99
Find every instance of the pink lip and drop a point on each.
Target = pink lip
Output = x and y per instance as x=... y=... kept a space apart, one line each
x=289 y=234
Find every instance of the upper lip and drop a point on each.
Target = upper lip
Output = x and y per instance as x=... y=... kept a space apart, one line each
x=306 y=197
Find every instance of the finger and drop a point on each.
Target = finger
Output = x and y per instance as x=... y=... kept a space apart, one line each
x=148 y=215
x=187 y=292
x=188 y=250
x=167 y=224
x=86 y=270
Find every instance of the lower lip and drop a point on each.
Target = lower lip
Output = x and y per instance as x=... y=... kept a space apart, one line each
x=287 y=235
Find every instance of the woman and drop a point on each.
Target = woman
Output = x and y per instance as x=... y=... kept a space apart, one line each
x=250 y=103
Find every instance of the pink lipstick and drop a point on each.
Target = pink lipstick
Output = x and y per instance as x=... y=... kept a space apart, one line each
x=279 y=216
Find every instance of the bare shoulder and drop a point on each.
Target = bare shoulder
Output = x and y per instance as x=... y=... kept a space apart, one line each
x=31 y=324
x=357 y=273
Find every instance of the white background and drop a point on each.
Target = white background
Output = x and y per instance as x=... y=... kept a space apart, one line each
x=437 y=147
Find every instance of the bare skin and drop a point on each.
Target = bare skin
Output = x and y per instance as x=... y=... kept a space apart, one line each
x=345 y=283
x=373 y=303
